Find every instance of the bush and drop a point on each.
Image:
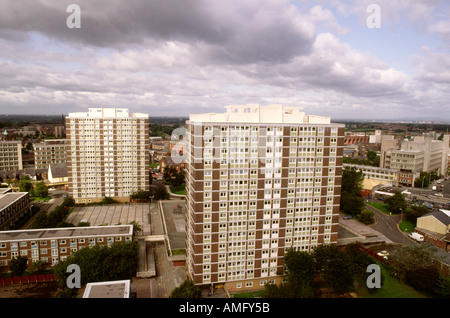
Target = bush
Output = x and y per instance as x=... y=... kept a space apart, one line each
x=366 y=216
x=18 y=265
x=186 y=290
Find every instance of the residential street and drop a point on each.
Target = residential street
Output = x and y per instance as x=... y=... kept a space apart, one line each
x=387 y=225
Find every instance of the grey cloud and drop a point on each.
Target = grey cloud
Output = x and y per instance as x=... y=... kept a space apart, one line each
x=230 y=31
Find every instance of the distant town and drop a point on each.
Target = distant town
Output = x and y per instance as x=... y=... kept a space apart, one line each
x=226 y=208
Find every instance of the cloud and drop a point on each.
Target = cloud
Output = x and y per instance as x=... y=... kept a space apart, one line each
x=178 y=57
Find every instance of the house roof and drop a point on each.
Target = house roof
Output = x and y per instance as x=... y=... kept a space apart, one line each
x=440 y=216
x=59 y=170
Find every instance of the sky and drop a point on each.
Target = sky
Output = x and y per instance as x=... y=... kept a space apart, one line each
x=339 y=58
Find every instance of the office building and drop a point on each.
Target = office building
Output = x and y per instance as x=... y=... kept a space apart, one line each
x=107 y=154
x=421 y=154
x=11 y=155
x=48 y=152
x=259 y=180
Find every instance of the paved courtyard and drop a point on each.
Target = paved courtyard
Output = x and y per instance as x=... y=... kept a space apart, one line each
x=149 y=218
x=113 y=215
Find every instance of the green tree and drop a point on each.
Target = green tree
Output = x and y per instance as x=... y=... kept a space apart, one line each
x=443 y=287
x=335 y=267
x=424 y=279
x=25 y=185
x=366 y=216
x=137 y=228
x=41 y=190
x=38 y=267
x=410 y=258
x=101 y=263
x=415 y=211
x=300 y=270
x=18 y=265
x=160 y=192
x=68 y=202
x=396 y=203
x=351 y=200
x=186 y=290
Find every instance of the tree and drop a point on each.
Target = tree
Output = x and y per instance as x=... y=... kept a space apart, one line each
x=101 y=263
x=141 y=195
x=41 y=190
x=424 y=279
x=366 y=216
x=37 y=267
x=137 y=229
x=410 y=258
x=160 y=192
x=18 y=265
x=25 y=185
x=335 y=267
x=300 y=269
x=415 y=211
x=396 y=203
x=443 y=286
x=351 y=203
x=186 y=290
x=68 y=202
x=351 y=200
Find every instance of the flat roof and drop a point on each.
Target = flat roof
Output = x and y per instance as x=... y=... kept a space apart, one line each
x=111 y=289
x=65 y=232
x=8 y=198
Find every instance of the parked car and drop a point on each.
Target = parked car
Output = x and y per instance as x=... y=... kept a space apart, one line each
x=347 y=217
x=383 y=254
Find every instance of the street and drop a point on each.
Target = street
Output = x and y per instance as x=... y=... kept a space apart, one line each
x=387 y=225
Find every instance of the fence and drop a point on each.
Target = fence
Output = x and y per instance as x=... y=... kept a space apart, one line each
x=27 y=279
x=374 y=255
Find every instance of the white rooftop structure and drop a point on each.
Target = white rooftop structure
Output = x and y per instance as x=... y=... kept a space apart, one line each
x=111 y=289
x=254 y=113
x=107 y=113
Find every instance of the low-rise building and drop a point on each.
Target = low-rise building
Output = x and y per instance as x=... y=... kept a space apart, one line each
x=57 y=173
x=435 y=227
x=111 y=289
x=13 y=205
x=56 y=244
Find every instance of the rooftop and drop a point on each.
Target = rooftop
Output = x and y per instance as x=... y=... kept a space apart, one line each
x=56 y=233
x=254 y=113
x=107 y=113
x=7 y=198
x=112 y=289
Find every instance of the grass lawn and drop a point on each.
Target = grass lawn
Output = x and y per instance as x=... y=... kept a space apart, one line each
x=406 y=226
x=380 y=206
x=252 y=294
x=178 y=190
x=390 y=288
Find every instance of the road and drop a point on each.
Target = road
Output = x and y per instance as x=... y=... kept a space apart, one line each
x=387 y=225
x=56 y=199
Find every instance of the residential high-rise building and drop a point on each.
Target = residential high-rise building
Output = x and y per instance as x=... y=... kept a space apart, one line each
x=259 y=180
x=11 y=155
x=107 y=154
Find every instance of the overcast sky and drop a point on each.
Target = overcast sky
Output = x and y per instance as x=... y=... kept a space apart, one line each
x=176 y=57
